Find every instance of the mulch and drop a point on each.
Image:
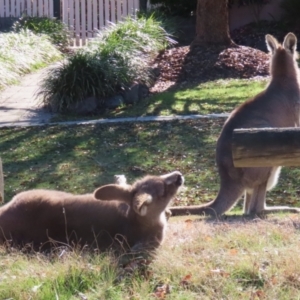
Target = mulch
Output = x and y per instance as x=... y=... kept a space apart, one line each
x=189 y=65
x=248 y=58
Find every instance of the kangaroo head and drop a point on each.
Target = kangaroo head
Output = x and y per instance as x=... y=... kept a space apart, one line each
x=284 y=56
x=148 y=196
x=289 y=43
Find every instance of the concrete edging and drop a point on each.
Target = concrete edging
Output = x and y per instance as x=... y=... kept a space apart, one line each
x=116 y=120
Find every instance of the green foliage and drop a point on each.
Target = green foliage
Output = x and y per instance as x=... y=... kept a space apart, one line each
x=291 y=11
x=23 y=52
x=82 y=75
x=55 y=29
x=176 y=7
x=167 y=22
x=112 y=61
x=145 y=35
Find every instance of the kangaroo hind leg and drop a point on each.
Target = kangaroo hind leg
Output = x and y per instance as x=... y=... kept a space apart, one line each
x=255 y=203
x=255 y=200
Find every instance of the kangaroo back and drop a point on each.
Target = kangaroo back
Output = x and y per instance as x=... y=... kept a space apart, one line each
x=277 y=106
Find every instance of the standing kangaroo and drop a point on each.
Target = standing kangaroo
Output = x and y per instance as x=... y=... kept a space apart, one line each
x=277 y=106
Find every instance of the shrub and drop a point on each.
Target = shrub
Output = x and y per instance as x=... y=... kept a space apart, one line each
x=22 y=52
x=119 y=56
x=144 y=34
x=55 y=29
x=84 y=74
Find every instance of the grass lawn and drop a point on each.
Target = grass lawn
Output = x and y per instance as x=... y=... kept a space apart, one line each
x=233 y=258
x=80 y=158
x=211 y=97
x=237 y=259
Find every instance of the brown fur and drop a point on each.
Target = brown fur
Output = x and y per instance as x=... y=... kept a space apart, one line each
x=277 y=106
x=1 y=183
x=127 y=216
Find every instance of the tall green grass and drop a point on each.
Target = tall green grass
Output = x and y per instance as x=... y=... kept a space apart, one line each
x=23 y=52
x=55 y=29
x=119 y=56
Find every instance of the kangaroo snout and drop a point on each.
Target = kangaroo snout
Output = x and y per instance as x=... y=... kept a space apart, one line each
x=174 y=178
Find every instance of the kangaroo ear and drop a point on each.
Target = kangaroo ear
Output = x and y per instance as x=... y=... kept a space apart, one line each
x=114 y=192
x=290 y=42
x=140 y=203
x=272 y=43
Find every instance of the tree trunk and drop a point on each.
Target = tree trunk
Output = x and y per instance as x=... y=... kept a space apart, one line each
x=212 y=25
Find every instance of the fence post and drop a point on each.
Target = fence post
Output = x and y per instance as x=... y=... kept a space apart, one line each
x=56 y=9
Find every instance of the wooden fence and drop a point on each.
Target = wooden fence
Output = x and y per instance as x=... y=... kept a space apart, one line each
x=16 y=8
x=83 y=17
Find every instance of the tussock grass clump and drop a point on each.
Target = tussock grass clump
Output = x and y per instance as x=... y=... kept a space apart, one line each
x=119 y=56
x=144 y=34
x=56 y=30
x=23 y=52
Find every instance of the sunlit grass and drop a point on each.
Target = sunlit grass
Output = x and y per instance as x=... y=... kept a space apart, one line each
x=211 y=97
x=23 y=52
x=220 y=96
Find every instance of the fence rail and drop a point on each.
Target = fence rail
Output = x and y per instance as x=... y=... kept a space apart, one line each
x=16 y=8
x=83 y=17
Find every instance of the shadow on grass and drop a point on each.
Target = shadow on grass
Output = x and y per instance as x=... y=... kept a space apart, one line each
x=202 y=87
x=80 y=158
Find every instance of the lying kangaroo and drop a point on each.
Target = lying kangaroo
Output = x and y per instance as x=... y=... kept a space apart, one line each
x=277 y=106
x=125 y=216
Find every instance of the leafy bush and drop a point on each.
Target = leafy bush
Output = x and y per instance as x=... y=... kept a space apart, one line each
x=176 y=7
x=169 y=23
x=119 y=56
x=23 y=52
x=55 y=29
x=144 y=34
